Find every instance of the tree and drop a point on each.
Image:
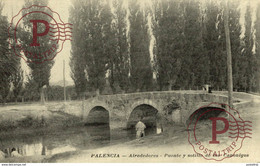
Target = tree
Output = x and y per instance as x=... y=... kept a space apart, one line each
x=194 y=69
x=236 y=49
x=17 y=81
x=31 y=92
x=40 y=71
x=257 y=29
x=8 y=62
x=214 y=44
x=77 y=59
x=169 y=43
x=212 y=38
x=141 y=71
x=248 y=56
x=91 y=53
x=96 y=59
x=78 y=73
x=5 y=59
x=105 y=48
x=118 y=45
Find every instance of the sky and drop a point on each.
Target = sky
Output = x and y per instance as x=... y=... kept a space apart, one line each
x=12 y=7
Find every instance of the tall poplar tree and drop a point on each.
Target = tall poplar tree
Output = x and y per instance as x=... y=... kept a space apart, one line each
x=169 y=43
x=119 y=55
x=8 y=61
x=40 y=71
x=141 y=71
x=257 y=43
x=248 y=56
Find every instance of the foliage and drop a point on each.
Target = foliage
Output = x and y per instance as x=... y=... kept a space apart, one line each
x=40 y=71
x=56 y=93
x=117 y=48
x=8 y=62
x=89 y=61
x=17 y=81
x=249 y=58
x=257 y=43
x=169 y=55
x=141 y=71
x=189 y=48
x=112 y=50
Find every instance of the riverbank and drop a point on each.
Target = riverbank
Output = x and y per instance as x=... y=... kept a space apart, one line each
x=167 y=147
x=29 y=123
x=23 y=118
x=171 y=146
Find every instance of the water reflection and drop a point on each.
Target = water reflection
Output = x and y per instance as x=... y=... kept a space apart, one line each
x=36 y=149
x=87 y=137
x=131 y=133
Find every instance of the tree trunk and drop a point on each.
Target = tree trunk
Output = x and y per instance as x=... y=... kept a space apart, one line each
x=229 y=56
x=42 y=96
x=170 y=87
x=4 y=101
x=97 y=92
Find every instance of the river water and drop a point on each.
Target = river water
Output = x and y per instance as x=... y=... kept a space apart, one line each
x=71 y=139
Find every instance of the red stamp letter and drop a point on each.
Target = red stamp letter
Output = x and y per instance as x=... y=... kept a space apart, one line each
x=43 y=31
x=35 y=32
x=214 y=128
x=216 y=137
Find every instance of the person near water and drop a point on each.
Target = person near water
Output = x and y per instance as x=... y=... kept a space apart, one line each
x=139 y=127
x=14 y=153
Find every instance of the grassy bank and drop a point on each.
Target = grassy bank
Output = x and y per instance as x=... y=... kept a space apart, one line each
x=33 y=119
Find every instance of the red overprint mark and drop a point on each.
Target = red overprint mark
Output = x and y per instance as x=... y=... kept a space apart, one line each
x=60 y=32
x=220 y=137
x=214 y=128
x=240 y=130
x=46 y=34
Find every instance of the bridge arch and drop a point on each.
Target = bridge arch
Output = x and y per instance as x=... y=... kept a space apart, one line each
x=199 y=120
x=97 y=115
x=145 y=109
x=146 y=102
x=204 y=113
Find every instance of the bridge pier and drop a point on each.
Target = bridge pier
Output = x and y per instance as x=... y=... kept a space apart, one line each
x=115 y=124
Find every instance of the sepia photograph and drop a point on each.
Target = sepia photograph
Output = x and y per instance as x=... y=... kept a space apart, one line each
x=129 y=81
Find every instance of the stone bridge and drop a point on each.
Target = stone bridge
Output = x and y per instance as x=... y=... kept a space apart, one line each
x=122 y=109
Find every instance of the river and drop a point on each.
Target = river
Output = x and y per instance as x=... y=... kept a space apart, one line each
x=71 y=139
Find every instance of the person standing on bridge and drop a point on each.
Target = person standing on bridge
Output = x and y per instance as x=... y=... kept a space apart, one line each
x=139 y=127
